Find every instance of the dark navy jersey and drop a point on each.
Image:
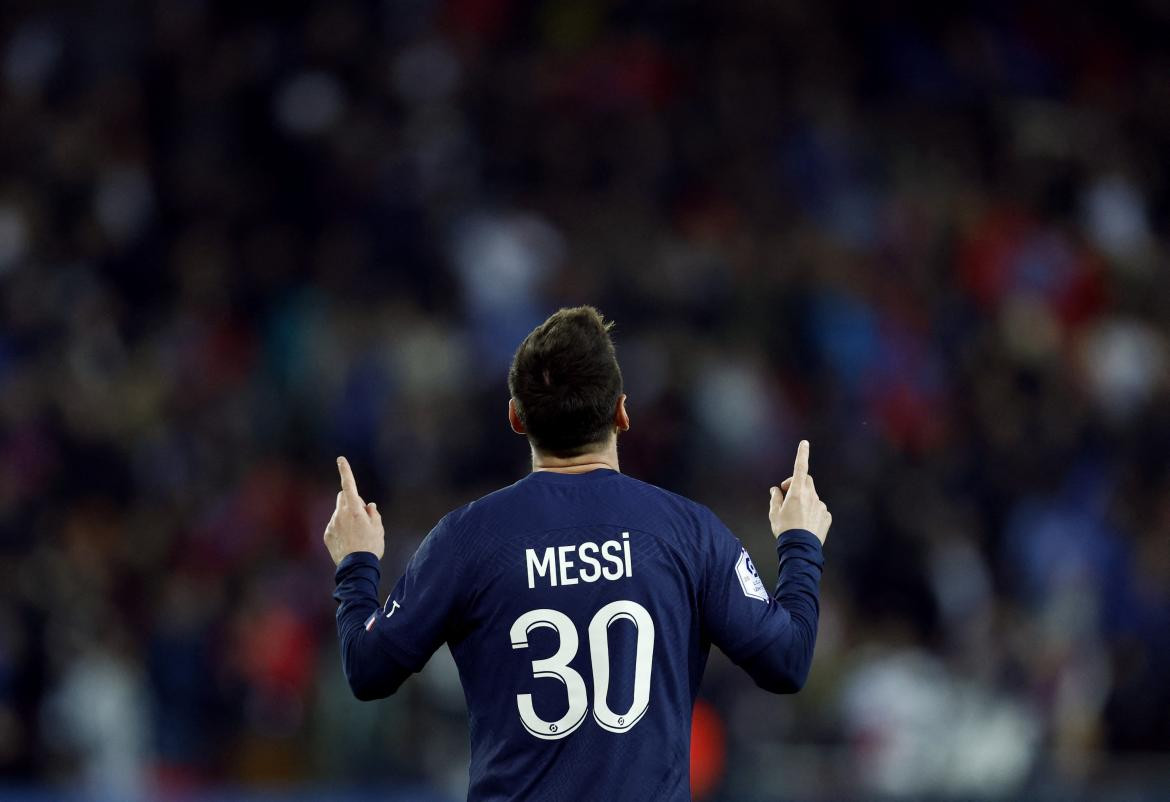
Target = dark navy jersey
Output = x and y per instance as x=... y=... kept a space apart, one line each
x=580 y=609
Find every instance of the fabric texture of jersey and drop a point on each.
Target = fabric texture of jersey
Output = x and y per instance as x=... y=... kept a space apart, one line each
x=580 y=609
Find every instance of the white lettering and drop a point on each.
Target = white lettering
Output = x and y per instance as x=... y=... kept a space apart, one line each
x=586 y=575
x=566 y=564
x=543 y=566
x=587 y=562
x=611 y=551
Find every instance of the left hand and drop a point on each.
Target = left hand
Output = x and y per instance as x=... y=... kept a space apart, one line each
x=355 y=525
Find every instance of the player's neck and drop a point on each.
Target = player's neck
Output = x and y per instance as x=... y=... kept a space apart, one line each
x=582 y=463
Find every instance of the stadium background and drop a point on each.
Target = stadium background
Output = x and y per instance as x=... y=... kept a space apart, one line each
x=237 y=239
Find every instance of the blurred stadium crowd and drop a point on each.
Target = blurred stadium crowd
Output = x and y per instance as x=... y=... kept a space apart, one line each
x=238 y=239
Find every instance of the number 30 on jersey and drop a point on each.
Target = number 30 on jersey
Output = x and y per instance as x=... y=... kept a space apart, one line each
x=557 y=667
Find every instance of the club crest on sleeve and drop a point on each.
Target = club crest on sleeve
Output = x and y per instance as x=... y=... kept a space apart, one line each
x=749 y=580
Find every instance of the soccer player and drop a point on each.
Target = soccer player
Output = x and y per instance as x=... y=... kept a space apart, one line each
x=580 y=604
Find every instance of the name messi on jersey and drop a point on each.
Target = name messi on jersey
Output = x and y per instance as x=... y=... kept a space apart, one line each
x=587 y=562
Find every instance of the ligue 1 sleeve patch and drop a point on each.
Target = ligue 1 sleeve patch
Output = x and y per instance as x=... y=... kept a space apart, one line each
x=749 y=580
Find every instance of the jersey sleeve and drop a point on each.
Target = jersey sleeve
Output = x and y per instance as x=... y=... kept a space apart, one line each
x=381 y=645
x=769 y=635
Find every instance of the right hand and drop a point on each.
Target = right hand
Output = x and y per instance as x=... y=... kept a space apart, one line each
x=795 y=504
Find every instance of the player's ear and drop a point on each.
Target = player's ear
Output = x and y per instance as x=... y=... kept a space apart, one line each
x=514 y=418
x=621 y=418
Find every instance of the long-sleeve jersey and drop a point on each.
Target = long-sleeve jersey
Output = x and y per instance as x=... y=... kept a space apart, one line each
x=580 y=609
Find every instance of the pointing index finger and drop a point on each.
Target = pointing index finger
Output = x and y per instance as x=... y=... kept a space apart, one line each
x=800 y=469
x=348 y=485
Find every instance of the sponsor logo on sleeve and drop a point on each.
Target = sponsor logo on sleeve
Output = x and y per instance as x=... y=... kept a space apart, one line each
x=749 y=580
x=388 y=609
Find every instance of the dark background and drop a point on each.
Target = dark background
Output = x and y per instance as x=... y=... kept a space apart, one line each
x=238 y=239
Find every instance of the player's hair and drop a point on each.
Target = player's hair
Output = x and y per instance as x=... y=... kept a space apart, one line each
x=566 y=382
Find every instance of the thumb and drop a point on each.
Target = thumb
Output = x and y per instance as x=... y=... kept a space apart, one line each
x=775 y=497
x=372 y=511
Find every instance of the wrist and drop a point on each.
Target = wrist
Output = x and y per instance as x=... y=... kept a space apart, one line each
x=359 y=557
x=797 y=536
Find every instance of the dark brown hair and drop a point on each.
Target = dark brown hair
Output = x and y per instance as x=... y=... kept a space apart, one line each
x=566 y=382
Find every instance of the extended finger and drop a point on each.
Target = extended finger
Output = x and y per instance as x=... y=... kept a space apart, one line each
x=800 y=469
x=348 y=484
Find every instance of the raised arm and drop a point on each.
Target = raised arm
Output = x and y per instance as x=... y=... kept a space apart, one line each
x=771 y=636
x=382 y=645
